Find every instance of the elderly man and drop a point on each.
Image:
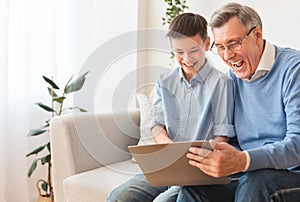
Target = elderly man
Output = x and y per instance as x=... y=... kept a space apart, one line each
x=266 y=115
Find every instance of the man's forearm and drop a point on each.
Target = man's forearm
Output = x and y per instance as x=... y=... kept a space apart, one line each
x=221 y=139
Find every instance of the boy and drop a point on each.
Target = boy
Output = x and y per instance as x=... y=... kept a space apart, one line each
x=193 y=102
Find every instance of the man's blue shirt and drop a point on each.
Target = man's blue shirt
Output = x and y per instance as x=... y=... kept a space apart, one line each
x=267 y=113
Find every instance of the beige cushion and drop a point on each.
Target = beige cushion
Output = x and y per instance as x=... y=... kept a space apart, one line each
x=145 y=103
x=96 y=185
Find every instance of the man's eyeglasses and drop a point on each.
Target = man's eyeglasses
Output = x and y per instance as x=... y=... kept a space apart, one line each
x=234 y=46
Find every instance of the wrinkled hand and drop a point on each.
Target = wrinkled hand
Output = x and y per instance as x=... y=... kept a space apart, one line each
x=222 y=161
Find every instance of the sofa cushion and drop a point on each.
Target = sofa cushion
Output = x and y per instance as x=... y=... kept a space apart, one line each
x=95 y=185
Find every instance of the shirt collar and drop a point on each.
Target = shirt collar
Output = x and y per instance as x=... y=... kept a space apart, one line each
x=268 y=58
x=202 y=74
x=266 y=62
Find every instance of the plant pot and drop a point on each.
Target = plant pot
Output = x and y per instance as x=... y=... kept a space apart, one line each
x=44 y=197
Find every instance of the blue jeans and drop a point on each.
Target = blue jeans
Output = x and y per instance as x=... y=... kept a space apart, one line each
x=137 y=189
x=254 y=186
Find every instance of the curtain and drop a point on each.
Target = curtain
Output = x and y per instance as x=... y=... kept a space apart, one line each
x=23 y=47
x=51 y=38
x=34 y=42
x=14 y=88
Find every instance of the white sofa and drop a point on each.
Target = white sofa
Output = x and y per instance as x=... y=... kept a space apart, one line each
x=89 y=154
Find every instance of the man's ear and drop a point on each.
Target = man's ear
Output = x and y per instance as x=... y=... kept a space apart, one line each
x=258 y=33
x=258 y=37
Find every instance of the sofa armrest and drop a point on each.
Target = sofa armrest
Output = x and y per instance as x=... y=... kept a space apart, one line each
x=84 y=141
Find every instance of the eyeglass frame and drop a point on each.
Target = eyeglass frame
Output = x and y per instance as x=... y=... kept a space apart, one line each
x=228 y=46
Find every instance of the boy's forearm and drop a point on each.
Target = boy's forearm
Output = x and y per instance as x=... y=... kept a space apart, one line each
x=160 y=135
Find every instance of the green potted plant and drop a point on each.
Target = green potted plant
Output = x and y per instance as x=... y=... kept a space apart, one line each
x=57 y=96
x=174 y=7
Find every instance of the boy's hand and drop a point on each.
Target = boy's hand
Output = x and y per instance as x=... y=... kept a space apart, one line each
x=222 y=161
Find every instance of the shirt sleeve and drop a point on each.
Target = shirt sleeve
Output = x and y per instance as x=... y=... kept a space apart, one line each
x=157 y=107
x=247 y=161
x=222 y=108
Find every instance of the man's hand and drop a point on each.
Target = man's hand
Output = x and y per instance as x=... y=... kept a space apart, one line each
x=222 y=161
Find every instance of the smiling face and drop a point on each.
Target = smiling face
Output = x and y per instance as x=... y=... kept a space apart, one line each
x=190 y=54
x=244 y=62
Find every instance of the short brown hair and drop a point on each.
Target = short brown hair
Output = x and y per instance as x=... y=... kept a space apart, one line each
x=188 y=25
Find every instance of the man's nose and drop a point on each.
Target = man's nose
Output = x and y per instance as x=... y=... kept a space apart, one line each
x=228 y=54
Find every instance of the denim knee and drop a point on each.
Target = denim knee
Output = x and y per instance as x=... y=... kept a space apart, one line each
x=256 y=186
x=135 y=189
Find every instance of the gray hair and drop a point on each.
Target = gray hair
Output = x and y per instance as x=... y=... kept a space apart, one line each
x=246 y=15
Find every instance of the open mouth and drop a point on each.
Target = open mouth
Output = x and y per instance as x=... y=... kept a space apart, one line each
x=238 y=65
x=189 y=65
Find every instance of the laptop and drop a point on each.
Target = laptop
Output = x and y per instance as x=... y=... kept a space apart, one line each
x=167 y=164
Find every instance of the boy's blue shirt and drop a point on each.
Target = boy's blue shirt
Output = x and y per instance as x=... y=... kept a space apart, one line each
x=197 y=110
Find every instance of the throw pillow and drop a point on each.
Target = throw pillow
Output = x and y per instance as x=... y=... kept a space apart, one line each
x=145 y=103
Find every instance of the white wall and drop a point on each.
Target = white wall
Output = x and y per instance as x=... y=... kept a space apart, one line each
x=279 y=18
x=97 y=25
x=280 y=25
x=154 y=53
x=101 y=40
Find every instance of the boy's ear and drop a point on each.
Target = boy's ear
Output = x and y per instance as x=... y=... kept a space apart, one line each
x=207 y=43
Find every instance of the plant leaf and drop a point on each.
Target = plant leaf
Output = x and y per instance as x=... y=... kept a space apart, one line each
x=35 y=132
x=51 y=82
x=32 y=167
x=48 y=146
x=46 y=125
x=59 y=99
x=82 y=110
x=44 y=186
x=47 y=122
x=46 y=159
x=73 y=108
x=52 y=92
x=76 y=85
x=45 y=107
x=36 y=151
